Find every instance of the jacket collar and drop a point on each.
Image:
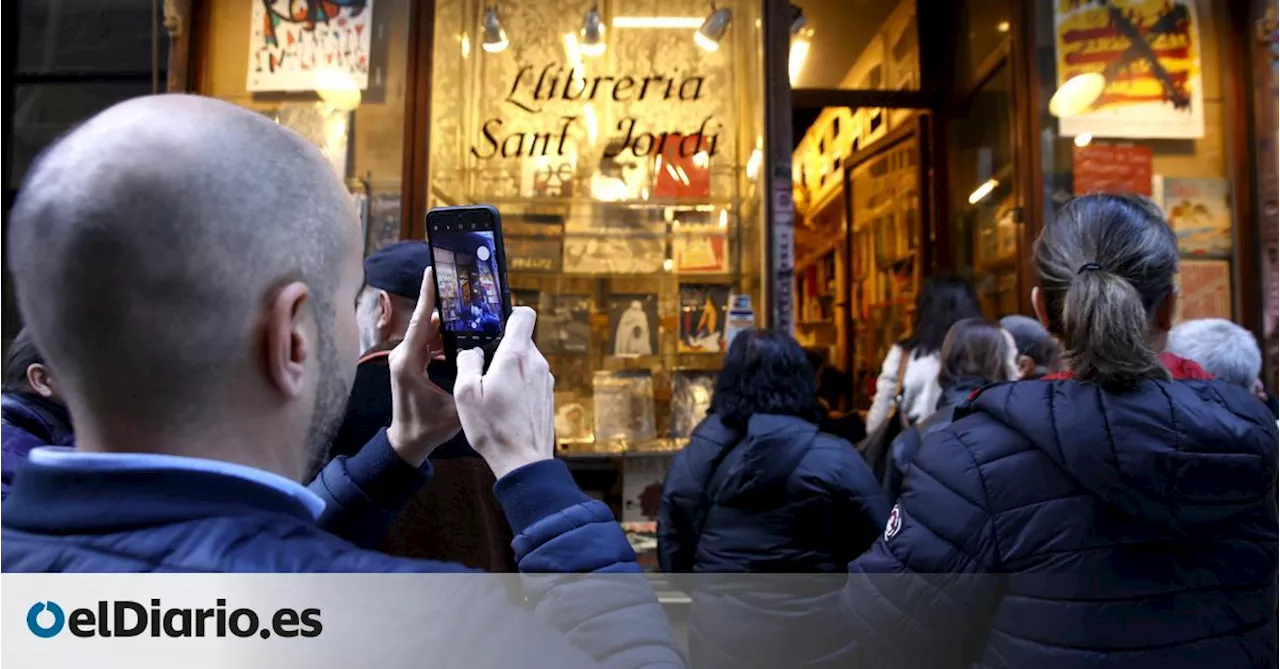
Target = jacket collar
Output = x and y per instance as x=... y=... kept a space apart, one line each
x=43 y=419
x=67 y=499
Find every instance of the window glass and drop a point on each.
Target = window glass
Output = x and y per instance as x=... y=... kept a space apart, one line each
x=856 y=44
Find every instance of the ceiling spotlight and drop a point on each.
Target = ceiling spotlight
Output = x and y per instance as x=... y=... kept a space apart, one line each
x=592 y=41
x=713 y=29
x=797 y=19
x=495 y=38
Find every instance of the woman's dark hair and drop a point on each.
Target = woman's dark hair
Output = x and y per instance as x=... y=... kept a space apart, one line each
x=766 y=372
x=22 y=354
x=941 y=302
x=1105 y=263
x=976 y=349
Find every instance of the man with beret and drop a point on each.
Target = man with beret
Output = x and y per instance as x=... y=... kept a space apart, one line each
x=456 y=518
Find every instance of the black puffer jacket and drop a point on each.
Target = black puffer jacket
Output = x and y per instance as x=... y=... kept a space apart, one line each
x=904 y=447
x=777 y=497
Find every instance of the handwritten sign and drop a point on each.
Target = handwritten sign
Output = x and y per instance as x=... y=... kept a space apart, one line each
x=1109 y=168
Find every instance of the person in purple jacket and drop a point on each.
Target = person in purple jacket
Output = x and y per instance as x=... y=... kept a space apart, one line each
x=190 y=271
x=31 y=413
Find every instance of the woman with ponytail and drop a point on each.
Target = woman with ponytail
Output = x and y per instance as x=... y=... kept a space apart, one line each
x=1121 y=513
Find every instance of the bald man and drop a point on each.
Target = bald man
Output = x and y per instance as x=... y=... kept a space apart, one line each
x=190 y=270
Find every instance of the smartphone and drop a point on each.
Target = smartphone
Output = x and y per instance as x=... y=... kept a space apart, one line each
x=470 y=264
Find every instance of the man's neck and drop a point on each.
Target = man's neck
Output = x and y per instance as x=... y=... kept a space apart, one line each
x=247 y=449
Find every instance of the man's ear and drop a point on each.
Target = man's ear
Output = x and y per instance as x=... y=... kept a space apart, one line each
x=384 y=310
x=289 y=326
x=1167 y=310
x=41 y=381
x=1026 y=366
x=1037 y=303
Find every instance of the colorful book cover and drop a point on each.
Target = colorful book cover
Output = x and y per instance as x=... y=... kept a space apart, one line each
x=1200 y=212
x=703 y=312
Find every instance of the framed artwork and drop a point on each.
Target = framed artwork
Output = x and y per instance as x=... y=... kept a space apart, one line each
x=1200 y=212
x=565 y=324
x=703 y=313
x=633 y=325
x=1204 y=289
x=310 y=46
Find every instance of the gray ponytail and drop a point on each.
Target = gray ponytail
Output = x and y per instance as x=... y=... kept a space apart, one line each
x=1104 y=265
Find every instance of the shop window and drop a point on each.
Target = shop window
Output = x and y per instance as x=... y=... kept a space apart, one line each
x=1147 y=116
x=337 y=78
x=986 y=247
x=987 y=26
x=870 y=46
x=627 y=170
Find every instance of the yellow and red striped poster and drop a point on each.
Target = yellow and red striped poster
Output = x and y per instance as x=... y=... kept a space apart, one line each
x=1148 y=51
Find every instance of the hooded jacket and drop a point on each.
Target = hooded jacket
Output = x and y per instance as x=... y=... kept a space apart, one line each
x=1057 y=525
x=777 y=497
x=904 y=447
x=28 y=421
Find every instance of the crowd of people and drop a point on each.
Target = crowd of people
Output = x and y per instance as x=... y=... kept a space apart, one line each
x=1091 y=487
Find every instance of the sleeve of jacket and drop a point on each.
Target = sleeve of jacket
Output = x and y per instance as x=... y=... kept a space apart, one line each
x=921 y=596
x=886 y=383
x=580 y=572
x=363 y=493
x=676 y=538
x=859 y=507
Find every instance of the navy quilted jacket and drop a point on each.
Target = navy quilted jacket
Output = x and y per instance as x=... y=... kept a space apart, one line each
x=1058 y=526
x=779 y=497
x=64 y=519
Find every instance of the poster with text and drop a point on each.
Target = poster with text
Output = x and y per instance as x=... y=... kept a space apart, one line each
x=703 y=312
x=1123 y=169
x=633 y=325
x=1200 y=212
x=1148 y=52
x=309 y=45
x=1204 y=289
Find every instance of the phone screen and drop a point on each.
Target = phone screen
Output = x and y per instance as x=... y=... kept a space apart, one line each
x=471 y=274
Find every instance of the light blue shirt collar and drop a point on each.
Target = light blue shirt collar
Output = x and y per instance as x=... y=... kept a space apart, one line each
x=62 y=456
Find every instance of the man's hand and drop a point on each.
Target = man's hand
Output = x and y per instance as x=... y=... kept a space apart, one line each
x=423 y=415
x=508 y=414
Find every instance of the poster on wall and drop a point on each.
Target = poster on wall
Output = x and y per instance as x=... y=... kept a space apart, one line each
x=1148 y=52
x=703 y=312
x=1200 y=212
x=1111 y=168
x=1204 y=289
x=633 y=325
x=310 y=45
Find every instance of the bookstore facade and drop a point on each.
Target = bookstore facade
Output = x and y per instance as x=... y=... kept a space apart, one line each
x=622 y=142
x=635 y=152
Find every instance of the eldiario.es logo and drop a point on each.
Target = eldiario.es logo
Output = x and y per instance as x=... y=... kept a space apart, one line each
x=124 y=618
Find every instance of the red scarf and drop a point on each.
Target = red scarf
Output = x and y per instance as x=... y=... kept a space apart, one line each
x=1180 y=368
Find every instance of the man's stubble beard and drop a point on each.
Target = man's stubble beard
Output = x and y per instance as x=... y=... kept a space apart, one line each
x=330 y=407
